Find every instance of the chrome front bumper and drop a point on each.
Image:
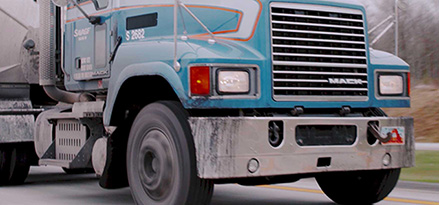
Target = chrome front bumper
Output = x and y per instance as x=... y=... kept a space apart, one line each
x=224 y=147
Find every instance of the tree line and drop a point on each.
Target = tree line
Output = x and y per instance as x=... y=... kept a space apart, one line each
x=418 y=34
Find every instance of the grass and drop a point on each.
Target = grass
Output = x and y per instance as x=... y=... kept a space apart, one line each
x=425 y=111
x=426 y=170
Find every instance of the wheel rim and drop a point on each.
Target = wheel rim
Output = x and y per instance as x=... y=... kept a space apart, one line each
x=155 y=165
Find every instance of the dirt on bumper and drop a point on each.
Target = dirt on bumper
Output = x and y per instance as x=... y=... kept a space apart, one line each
x=226 y=147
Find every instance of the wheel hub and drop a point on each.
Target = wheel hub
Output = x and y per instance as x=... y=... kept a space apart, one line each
x=156 y=167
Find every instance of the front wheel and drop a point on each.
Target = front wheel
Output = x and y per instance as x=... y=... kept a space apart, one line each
x=161 y=161
x=362 y=187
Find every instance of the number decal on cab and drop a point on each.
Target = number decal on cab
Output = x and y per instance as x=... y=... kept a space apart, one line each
x=136 y=34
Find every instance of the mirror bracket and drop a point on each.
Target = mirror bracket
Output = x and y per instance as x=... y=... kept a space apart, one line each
x=95 y=20
x=92 y=19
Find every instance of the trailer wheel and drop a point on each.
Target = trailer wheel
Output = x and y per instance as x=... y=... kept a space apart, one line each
x=364 y=187
x=14 y=164
x=161 y=161
x=4 y=165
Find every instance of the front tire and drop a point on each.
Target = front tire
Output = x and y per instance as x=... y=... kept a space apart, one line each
x=362 y=187
x=161 y=162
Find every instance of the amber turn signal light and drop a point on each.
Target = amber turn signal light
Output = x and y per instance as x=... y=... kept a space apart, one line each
x=200 y=80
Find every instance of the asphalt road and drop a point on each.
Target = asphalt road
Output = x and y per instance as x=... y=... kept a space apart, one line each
x=49 y=185
x=427 y=146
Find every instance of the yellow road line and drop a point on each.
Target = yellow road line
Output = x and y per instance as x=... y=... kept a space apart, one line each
x=410 y=201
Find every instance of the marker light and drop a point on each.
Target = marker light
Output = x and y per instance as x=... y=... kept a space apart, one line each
x=391 y=85
x=200 y=80
x=233 y=82
x=408 y=84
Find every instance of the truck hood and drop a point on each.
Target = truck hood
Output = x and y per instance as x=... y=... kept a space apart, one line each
x=351 y=2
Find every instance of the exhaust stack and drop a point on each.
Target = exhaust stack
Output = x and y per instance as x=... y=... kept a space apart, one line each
x=47 y=57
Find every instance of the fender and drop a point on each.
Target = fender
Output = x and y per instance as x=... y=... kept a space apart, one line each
x=143 y=69
x=193 y=51
x=387 y=60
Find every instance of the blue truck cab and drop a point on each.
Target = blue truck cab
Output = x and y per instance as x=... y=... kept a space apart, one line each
x=173 y=96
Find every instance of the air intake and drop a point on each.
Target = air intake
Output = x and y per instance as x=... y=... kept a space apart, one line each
x=319 y=53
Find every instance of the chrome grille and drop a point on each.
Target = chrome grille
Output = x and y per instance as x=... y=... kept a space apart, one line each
x=319 y=53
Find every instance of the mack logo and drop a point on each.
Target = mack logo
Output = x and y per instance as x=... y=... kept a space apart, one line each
x=345 y=81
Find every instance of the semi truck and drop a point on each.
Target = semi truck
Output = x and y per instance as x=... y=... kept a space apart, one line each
x=170 y=97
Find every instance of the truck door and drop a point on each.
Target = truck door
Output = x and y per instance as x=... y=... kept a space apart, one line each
x=88 y=45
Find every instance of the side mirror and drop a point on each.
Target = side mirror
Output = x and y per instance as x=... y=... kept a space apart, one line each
x=100 y=4
x=60 y=3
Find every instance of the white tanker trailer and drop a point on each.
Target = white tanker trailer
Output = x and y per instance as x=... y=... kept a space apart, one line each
x=18 y=76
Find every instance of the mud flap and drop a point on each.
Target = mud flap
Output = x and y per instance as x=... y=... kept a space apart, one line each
x=115 y=172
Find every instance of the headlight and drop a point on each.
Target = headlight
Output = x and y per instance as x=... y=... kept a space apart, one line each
x=391 y=84
x=233 y=82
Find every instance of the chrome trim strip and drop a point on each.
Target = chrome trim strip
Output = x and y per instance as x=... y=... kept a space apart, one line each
x=338 y=65
x=316 y=17
x=317 y=40
x=319 y=48
x=314 y=7
x=324 y=89
x=317 y=32
x=306 y=81
x=318 y=73
x=313 y=98
x=318 y=25
x=300 y=81
x=318 y=56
